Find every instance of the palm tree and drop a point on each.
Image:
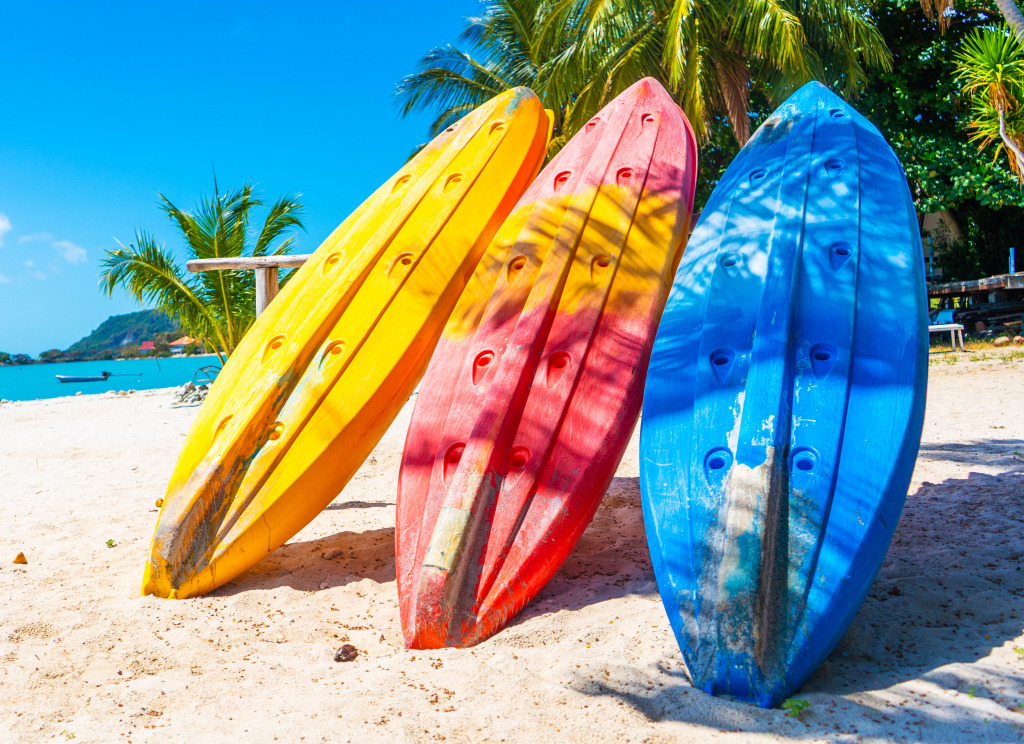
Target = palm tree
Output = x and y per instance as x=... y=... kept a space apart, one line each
x=937 y=9
x=578 y=54
x=217 y=306
x=991 y=69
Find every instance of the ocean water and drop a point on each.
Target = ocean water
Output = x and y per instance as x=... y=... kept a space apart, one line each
x=31 y=381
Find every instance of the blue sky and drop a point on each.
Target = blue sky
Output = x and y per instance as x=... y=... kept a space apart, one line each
x=103 y=105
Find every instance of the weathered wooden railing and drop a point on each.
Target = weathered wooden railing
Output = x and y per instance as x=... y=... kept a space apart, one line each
x=266 y=269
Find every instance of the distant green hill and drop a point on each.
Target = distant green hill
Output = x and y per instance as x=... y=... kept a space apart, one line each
x=121 y=330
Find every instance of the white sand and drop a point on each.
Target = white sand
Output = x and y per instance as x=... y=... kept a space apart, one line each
x=929 y=658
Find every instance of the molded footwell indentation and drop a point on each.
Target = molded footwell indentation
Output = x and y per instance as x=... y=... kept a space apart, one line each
x=518 y=457
x=516 y=265
x=452 y=181
x=823 y=358
x=332 y=350
x=834 y=167
x=722 y=361
x=756 y=176
x=557 y=364
x=730 y=262
x=839 y=253
x=480 y=365
x=804 y=461
x=452 y=458
x=331 y=261
x=223 y=422
x=402 y=262
x=272 y=345
x=599 y=264
x=716 y=465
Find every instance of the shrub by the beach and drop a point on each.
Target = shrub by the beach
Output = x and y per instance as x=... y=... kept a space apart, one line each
x=218 y=306
x=794 y=706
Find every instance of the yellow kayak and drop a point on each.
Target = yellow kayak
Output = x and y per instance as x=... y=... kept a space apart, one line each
x=322 y=373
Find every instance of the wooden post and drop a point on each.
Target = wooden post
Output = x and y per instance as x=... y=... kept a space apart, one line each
x=266 y=288
x=265 y=267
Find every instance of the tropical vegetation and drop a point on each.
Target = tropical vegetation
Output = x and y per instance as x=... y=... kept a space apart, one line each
x=119 y=331
x=713 y=56
x=9 y=359
x=217 y=306
x=991 y=70
x=912 y=94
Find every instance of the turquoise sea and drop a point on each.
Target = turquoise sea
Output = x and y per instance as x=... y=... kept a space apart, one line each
x=31 y=381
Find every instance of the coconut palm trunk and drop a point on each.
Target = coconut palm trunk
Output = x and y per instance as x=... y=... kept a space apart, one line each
x=1008 y=141
x=1013 y=16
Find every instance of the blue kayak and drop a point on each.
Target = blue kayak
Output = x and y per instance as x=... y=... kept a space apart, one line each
x=785 y=399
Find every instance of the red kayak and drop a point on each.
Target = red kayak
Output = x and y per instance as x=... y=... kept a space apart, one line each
x=534 y=390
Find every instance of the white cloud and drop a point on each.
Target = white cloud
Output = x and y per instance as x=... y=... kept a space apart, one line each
x=39 y=237
x=4 y=279
x=5 y=226
x=28 y=264
x=72 y=253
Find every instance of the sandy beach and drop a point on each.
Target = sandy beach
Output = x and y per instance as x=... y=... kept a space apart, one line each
x=932 y=655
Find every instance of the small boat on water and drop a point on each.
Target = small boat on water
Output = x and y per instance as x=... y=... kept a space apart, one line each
x=102 y=378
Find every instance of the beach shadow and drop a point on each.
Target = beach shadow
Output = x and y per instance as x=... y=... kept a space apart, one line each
x=662 y=693
x=334 y=561
x=1008 y=452
x=611 y=560
x=950 y=591
x=357 y=505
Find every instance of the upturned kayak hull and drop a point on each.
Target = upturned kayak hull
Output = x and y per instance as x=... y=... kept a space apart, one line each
x=536 y=385
x=325 y=369
x=785 y=400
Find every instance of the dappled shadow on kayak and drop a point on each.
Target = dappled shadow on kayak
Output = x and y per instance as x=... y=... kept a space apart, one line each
x=523 y=416
x=337 y=560
x=949 y=594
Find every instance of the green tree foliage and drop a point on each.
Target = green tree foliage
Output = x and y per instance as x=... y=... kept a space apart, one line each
x=579 y=54
x=984 y=248
x=990 y=66
x=118 y=330
x=215 y=305
x=917 y=106
x=6 y=359
x=52 y=355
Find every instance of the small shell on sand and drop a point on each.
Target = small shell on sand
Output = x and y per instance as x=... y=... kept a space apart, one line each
x=20 y=558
